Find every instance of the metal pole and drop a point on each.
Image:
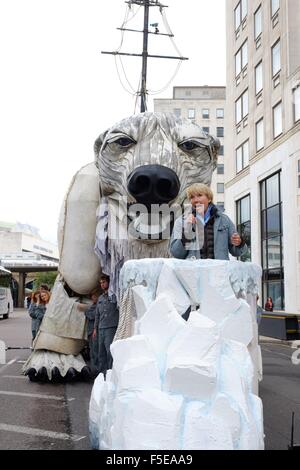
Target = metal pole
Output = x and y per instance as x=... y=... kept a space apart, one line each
x=145 y=54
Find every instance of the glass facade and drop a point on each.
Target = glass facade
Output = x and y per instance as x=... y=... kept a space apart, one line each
x=275 y=4
x=259 y=127
x=243 y=223
x=296 y=99
x=242 y=156
x=258 y=23
x=272 y=241
x=258 y=78
x=276 y=61
x=241 y=58
x=241 y=107
x=277 y=120
x=191 y=113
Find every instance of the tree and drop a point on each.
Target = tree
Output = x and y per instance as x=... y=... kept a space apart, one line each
x=47 y=277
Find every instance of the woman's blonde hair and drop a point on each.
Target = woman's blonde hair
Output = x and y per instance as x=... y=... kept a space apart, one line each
x=200 y=188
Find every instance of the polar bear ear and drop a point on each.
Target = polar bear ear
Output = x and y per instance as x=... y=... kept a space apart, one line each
x=98 y=144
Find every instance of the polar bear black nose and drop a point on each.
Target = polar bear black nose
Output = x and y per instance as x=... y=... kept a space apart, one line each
x=153 y=184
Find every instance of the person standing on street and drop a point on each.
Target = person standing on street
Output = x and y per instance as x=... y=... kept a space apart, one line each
x=90 y=313
x=105 y=326
x=37 y=310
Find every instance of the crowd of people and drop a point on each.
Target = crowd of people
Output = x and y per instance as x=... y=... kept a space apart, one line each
x=218 y=238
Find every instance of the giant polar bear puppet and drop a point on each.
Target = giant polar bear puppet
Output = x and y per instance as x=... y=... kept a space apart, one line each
x=149 y=158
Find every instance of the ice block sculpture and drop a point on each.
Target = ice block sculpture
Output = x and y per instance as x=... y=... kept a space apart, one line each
x=177 y=383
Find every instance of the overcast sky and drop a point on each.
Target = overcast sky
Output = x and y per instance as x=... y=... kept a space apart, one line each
x=58 y=92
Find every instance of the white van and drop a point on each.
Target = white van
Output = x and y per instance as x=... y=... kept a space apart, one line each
x=6 y=301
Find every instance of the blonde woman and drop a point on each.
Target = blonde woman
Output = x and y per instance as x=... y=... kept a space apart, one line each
x=205 y=232
x=37 y=309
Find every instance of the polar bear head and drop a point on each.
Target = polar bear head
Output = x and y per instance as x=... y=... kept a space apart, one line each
x=151 y=159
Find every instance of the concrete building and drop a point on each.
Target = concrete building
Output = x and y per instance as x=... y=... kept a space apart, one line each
x=262 y=137
x=25 y=253
x=23 y=238
x=206 y=106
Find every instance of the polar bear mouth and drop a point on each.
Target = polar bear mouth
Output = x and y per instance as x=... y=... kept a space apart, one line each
x=151 y=224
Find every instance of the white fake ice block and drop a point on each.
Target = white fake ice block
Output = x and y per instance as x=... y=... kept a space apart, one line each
x=160 y=324
x=141 y=300
x=169 y=285
x=203 y=431
x=192 y=358
x=162 y=430
x=135 y=366
x=184 y=385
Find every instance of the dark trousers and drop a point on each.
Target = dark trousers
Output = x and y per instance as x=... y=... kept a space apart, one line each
x=105 y=338
x=93 y=349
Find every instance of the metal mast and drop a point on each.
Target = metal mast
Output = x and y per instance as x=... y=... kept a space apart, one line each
x=146 y=4
x=145 y=54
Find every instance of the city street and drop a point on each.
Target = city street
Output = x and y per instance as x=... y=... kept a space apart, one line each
x=35 y=415
x=46 y=416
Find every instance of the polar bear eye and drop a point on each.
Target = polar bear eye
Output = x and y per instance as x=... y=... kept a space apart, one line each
x=121 y=141
x=189 y=145
x=124 y=141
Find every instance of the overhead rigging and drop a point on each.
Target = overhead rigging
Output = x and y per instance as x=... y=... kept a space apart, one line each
x=142 y=91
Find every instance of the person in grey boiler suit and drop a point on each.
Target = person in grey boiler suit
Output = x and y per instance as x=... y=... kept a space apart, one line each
x=105 y=326
x=206 y=233
x=90 y=312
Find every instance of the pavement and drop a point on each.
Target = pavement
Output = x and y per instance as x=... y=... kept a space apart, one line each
x=38 y=416
x=267 y=339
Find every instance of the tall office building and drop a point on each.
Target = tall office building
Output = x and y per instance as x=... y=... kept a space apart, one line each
x=204 y=105
x=262 y=137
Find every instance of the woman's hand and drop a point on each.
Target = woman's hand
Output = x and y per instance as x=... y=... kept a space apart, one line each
x=191 y=219
x=236 y=239
x=94 y=334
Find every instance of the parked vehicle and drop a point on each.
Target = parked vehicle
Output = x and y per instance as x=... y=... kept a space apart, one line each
x=6 y=301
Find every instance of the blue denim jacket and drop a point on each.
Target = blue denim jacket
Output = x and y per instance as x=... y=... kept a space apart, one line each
x=223 y=230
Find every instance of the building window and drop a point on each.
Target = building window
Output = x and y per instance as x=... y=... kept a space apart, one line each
x=240 y=13
x=276 y=62
x=296 y=100
x=220 y=169
x=220 y=131
x=242 y=156
x=220 y=206
x=188 y=93
x=220 y=188
x=258 y=23
x=241 y=58
x=272 y=241
x=299 y=174
x=260 y=141
x=275 y=4
x=205 y=113
x=243 y=223
x=277 y=120
x=258 y=78
x=206 y=129
x=177 y=112
x=221 y=150
x=220 y=113
x=241 y=107
x=191 y=113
